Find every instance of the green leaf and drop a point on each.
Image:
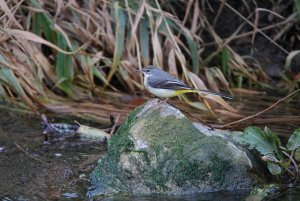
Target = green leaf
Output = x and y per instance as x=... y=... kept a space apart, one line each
x=3 y=94
x=36 y=24
x=99 y=75
x=297 y=4
x=121 y=20
x=42 y=23
x=264 y=142
x=294 y=140
x=274 y=168
x=225 y=61
x=194 y=54
x=285 y=164
x=9 y=78
x=48 y=25
x=144 y=38
x=297 y=154
x=270 y=134
x=88 y=67
x=64 y=66
x=191 y=43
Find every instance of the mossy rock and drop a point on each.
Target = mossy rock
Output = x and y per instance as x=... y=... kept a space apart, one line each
x=158 y=150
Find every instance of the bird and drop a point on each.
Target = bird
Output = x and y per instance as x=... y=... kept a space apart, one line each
x=163 y=85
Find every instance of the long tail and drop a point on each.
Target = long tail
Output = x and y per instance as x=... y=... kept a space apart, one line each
x=215 y=93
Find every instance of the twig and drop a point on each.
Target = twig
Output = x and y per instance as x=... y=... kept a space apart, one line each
x=276 y=25
x=251 y=24
x=113 y=128
x=294 y=163
x=291 y=158
x=27 y=153
x=289 y=171
x=259 y=113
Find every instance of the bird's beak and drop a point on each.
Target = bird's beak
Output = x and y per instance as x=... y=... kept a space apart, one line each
x=139 y=70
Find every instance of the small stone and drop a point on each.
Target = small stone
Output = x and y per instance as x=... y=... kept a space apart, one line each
x=58 y=155
x=81 y=176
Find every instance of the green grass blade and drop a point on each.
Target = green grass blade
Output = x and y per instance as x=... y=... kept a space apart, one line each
x=224 y=61
x=193 y=53
x=42 y=23
x=8 y=77
x=88 y=68
x=64 y=67
x=121 y=20
x=297 y=4
x=37 y=24
x=191 y=44
x=144 y=38
x=50 y=35
x=99 y=75
x=3 y=94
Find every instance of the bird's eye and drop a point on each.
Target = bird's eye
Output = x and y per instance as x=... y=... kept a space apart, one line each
x=147 y=71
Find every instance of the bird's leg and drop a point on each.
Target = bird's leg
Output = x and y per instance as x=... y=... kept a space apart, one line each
x=165 y=100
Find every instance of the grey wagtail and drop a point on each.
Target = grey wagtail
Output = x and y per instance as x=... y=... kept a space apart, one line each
x=164 y=85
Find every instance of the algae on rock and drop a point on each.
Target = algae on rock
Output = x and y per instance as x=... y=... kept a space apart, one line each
x=158 y=150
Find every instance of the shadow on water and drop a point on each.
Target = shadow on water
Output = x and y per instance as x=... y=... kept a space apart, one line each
x=33 y=170
x=218 y=196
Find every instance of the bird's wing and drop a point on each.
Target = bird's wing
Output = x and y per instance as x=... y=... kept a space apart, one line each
x=168 y=82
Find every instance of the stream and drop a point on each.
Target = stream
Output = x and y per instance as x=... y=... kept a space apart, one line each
x=31 y=169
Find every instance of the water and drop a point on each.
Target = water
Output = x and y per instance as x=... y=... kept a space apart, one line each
x=219 y=196
x=33 y=170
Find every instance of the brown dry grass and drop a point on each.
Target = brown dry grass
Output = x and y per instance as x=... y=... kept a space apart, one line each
x=80 y=57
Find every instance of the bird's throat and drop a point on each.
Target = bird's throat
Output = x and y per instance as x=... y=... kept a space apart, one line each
x=146 y=77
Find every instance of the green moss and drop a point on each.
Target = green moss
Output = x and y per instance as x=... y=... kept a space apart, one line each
x=219 y=168
x=120 y=141
x=188 y=172
x=169 y=130
x=183 y=133
x=156 y=176
x=178 y=153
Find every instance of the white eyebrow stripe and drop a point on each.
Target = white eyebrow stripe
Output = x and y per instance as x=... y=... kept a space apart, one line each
x=175 y=82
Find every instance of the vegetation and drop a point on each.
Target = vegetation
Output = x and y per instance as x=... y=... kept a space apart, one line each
x=80 y=57
x=273 y=151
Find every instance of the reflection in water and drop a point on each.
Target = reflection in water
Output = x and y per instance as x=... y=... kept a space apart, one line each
x=218 y=196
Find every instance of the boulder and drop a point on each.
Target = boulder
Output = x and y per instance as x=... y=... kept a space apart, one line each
x=159 y=150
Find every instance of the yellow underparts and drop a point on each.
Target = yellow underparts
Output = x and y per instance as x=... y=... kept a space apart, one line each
x=183 y=91
x=167 y=93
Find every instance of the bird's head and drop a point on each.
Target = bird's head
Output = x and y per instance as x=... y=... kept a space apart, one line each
x=150 y=70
